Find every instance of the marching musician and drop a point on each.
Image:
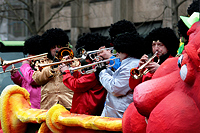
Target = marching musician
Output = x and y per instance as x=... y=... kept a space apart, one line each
x=165 y=42
x=115 y=30
x=53 y=90
x=31 y=47
x=89 y=94
x=129 y=50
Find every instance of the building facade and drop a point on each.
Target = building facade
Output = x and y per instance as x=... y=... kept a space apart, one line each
x=97 y=15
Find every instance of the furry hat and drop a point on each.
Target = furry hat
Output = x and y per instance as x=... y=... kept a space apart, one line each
x=52 y=37
x=92 y=41
x=164 y=35
x=120 y=27
x=193 y=7
x=182 y=29
x=130 y=43
x=33 y=46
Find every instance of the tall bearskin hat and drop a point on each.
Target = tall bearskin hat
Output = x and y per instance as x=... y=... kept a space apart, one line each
x=165 y=35
x=92 y=41
x=130 y=43
x=182 y=29
x=33 y=46
x=193 y=7
x=121 y=27
x=52 y=37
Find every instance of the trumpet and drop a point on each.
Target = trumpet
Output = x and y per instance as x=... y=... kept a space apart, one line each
x=138 y=73
x=41 y=66
x=4 y=64
x=63 y=52
x=97 y=64
x=92 y=54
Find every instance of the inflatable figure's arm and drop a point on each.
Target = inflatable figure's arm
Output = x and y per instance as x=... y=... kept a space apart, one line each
x=149 y=93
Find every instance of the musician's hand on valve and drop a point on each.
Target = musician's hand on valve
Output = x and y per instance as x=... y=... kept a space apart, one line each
x=152 y=66
x=13 y=70
x=143 y=59
x=63 y=67
x=106 y=54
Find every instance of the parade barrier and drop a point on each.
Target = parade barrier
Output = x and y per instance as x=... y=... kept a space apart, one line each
x=16 y=113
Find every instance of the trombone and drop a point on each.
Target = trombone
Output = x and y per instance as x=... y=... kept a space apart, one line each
x=97 y=64
x=4 y=64
x=9 y=70
x=41 y=66
x=138 y=73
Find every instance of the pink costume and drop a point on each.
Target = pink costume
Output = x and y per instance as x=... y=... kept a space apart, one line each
x=29 y=84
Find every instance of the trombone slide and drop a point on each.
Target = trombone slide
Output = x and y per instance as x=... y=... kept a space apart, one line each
x=5 y=63
x=9 y=70
x=90 y=65
x=41 y=66
x=93 y=52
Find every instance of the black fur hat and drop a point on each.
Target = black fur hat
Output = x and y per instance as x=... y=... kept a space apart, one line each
x=182 y=29
x=92 y=41
x=33 y=46
x=193 y=7
x=53 y=37
x=164 y=35
x=130 y=43
x=121 y=27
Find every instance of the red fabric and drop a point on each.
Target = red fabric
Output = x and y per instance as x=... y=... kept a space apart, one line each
x=89 y=95
x=132 y=121
x=171 y=99
x=134 y=82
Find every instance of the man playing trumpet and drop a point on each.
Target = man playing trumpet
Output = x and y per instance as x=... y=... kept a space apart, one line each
x=89 y=94
x=161 y=40
x=129 y=50
x=116 y=29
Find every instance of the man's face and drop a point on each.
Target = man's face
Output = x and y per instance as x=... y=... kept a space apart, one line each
x=55 y=49
x=160 y=47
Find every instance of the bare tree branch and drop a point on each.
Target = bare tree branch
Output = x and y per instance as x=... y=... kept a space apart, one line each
x=11 y=18
x=56 y=12
x=181 y=2
x=18 y=16
x=16 y=9
x=25 y=3
x=30 y=23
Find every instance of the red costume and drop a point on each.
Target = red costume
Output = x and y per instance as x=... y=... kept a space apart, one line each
x=171 y=99
x=89 y=95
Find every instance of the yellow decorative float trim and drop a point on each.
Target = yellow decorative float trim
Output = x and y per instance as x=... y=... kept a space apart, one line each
x=16 y=112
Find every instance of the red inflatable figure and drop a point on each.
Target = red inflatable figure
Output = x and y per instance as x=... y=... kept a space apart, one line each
x=170 y=101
